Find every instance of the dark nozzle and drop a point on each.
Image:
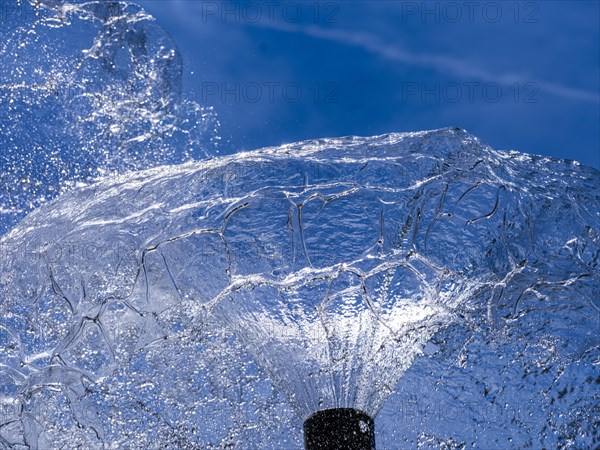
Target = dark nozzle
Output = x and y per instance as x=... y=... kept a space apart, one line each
x=339 y=428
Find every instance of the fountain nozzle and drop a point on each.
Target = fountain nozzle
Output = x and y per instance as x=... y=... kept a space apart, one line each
x=339 y=428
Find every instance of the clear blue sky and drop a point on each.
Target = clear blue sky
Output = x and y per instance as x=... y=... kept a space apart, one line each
x=521 y=76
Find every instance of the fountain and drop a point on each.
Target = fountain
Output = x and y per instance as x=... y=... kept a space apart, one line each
x=334 y=263
x=329 y=285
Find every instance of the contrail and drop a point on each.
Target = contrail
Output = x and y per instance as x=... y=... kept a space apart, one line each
x=441 y=63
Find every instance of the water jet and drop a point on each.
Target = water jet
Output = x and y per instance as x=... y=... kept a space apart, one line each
x=335 y=264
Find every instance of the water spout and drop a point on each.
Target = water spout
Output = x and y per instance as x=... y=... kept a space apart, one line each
x=333 y=429
x=404 y=259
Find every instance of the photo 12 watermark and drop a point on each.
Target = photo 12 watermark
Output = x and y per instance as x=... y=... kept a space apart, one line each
x=60 y=253
x=469 y=92
x=270 y=12
x=417 y=409
x=468 y=12
x=269 y=92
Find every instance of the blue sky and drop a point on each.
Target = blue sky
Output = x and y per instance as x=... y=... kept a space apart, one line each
x=522 y=76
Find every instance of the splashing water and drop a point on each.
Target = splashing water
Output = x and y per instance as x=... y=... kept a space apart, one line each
x=88 y=90
x=353 y=270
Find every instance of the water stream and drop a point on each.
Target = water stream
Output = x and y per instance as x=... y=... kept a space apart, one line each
x=158 y=298
x=336 y=264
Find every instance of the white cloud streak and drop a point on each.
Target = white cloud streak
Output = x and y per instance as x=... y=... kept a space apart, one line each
x=440 y=63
